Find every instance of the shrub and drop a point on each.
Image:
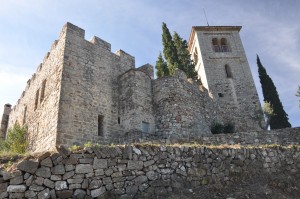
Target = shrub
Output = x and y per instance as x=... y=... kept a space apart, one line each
x=75 y=148
x=229 y=128
x=15 y=140
x=88 y=144
x=217 y=128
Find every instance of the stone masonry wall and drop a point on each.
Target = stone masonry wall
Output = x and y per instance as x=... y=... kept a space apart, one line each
x=182 y=110
x=89 y=85
x=38 y=105
x=236 y=95
x=135 y=101
x=147 y=171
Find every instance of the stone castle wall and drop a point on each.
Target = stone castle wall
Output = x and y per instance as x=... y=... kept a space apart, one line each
x=38 y=105
x=182 y=110
x=135 y=101
x=141 y=171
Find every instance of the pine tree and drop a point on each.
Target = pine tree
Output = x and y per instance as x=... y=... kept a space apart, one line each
x=170 y=52
x=161 y=67
x=280 y=118
x=184 y=59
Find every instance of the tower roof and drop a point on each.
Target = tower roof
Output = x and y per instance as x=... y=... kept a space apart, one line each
x=211 y=28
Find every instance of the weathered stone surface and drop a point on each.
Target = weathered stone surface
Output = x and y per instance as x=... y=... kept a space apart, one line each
x=94 y=184
x=16 y=195
x=47 y=162
x=16 y=188
x=35 y=187
x=43 y=172
x=61 y=185
x=84 y=168
x=79 y=194
x=49 y=183
x=3 y=187
x=58 y=169
x=30 y=194
x=75 y=181
x=152 y=175
x=64 y=194
x=28 y=166
x=100 y=163
x=55 y=177
x=140 y=180
x=135 y=165
x=132 y=190
x=98 y=192
x=44 y=194
x=68 y=175
x=197 y=172
x=16 y=180
x=39 y=181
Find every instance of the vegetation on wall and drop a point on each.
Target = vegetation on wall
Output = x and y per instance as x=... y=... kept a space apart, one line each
x=268 y=112
x=176 y=55
x=15 y=140
x=218 y=128
x=280 y=118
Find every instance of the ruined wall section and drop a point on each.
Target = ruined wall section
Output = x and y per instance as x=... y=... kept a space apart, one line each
x=135 y=102
x=182 y=110
x=236 y=95
x=88 y=104
x=38 y=105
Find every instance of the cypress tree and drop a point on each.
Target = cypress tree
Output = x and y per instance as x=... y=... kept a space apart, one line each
x=184 y=59
x=280 y=118
x=170 y=52
x=161 y=67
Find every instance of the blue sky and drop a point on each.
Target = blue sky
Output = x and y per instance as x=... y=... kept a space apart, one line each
x=271 y=29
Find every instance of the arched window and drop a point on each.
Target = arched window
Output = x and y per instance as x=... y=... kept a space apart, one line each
x=224 y=45
x=228 y=71
x=195 y=56
x=215 y=45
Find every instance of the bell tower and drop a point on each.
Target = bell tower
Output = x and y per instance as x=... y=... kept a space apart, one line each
x=222 y=66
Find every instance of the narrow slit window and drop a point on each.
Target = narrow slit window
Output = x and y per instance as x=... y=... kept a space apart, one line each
x=24 y=116
x=43 y=90
x=119 y=120
x=100 y=125
x=228 y=71
x=36 y=99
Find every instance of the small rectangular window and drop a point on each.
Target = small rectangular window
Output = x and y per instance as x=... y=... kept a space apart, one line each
x=119 y=120
x=36 y=99
x=100 y=125
x=145 y=127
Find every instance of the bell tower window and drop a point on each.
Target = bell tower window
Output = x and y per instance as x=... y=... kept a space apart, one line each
x=224 y=45
x=215 y=45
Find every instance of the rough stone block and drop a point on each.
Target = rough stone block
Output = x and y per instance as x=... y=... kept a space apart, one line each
x=43 y=172
x=135 y=165
x=16 y=188
x=45 y=194
x=58 y=169
x=64 y=194
x=29 y=166
x=100 y=163
x=98 y=192
x=61 y=185
x=84 y=168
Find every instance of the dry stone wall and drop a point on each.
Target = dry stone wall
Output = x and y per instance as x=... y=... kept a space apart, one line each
x=147 y=171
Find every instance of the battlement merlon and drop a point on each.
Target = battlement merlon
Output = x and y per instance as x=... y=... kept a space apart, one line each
x=126 y=58
x=210 y=28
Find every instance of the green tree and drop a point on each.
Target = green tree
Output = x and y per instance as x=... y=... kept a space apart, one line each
x=161 y=67
x=169 y=49
x=184 y=59
x=280 y=118
x=298 y=94
x=268 y=112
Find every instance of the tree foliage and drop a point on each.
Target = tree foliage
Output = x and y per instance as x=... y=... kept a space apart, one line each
x=176 y=55
x=15 y=140
x=161 y=67
x=268 y=112
x=280 y=118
